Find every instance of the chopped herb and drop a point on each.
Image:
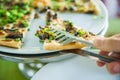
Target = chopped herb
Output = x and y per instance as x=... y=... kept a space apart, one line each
x=94 y=17
x=51 y=38
x=48 y=23
x=16 y=30
x=28 y=29
x=81 y=32
x=10 y=14
x=45 y=34
x=41 y=41
x=102 y=17
x=5 y=38
x=17 y=39
x=82 y=8
x=25 y=23
x=37 y=34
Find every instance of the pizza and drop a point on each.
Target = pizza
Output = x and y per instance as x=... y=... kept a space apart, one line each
x=48 y=37
x=80 y=6
x=15 y=18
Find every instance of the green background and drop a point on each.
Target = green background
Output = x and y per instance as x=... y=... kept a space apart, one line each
x=10 y=71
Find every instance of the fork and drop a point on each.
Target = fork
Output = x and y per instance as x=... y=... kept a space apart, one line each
x=65 y=37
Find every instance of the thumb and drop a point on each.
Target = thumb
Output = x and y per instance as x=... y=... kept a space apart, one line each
x=107 y=44
x=113 y=67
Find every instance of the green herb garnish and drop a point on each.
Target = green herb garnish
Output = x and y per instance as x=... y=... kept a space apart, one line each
x=10 y=14
x=81 y=32
x=17 y=39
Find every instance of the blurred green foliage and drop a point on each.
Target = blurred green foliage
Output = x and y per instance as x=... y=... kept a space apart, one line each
x=114 y=27
x=10 y=71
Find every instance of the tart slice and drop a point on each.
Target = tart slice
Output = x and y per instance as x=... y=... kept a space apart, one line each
x=48 y=37
x=15 y=20
x=80 y=6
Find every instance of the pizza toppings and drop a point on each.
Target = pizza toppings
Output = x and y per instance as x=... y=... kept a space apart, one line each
x=45 y=34
x=81 y=6
x=14 y=35
x=12 y=13
x=50 y=39
x=15 y=18
x=11 y=34
x=69 y=26
x=23 y=24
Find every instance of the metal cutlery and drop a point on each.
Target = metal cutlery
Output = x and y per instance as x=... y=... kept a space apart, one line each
x=65 y=37
x=92 y=54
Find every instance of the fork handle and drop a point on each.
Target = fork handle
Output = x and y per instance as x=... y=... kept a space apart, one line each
x=84 y=41
x=106 y=59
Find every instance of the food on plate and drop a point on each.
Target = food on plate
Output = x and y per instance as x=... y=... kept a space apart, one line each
x=81 y=6
x=48 y=37
x=15 y=18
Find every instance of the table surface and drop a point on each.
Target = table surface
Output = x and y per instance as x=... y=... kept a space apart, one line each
x=10 y=71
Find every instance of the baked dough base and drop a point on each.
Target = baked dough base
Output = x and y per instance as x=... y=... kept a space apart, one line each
x=53 y=45
x=11 y=43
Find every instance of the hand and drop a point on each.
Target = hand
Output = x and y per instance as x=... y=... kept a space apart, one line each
x=106 y=45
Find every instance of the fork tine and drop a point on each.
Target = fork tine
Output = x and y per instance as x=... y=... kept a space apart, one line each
x=62 y=39
x=57 y=33
x=54 y=30
x=60 y=36
x=67 y=41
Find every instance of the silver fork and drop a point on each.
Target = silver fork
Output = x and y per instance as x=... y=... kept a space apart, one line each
x=64 y=38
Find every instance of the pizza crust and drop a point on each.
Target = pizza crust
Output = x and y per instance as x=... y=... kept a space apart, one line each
x=94 y=6
x=53 y=45
x=89 y=6
x=41 y=3
x=11 y=43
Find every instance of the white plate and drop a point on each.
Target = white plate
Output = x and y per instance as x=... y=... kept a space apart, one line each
x=76 y=68
x=31 y=44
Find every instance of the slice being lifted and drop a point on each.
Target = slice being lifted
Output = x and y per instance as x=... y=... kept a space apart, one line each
x=47 y=36
x=15 y=19
x=81 y=6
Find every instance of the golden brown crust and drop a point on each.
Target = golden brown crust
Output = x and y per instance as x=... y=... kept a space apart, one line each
x=53 y=45
x=11 y=43
x=88 y=6
x=41 y=3
x=94 y=6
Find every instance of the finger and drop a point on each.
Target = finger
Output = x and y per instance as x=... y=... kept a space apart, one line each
x=115 y=55
x=113 y=68
x=107 y=44
x=116 y=36
x=100 y=64
x=104 y=53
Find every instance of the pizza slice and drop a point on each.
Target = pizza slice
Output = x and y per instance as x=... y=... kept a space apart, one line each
x=48 y=37
x=15 y=19
x=80 y=6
